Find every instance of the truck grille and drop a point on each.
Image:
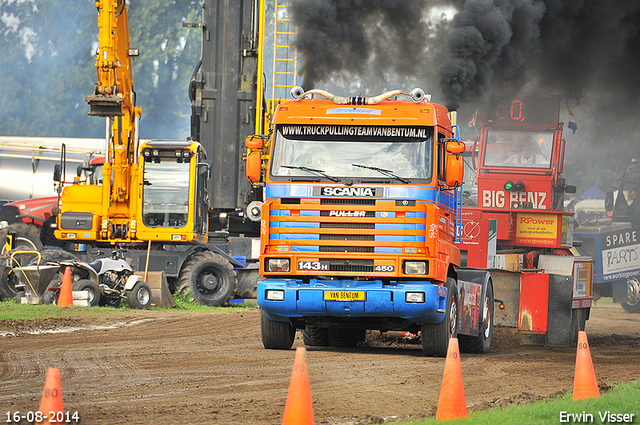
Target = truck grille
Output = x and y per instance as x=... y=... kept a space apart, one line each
x=347 y=201
x=339 y=265
x=349 y=230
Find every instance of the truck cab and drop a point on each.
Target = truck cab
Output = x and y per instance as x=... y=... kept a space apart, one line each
x=359 y=220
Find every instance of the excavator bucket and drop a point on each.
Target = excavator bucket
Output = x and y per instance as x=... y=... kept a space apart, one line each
x=104 y=106
x=160 y=294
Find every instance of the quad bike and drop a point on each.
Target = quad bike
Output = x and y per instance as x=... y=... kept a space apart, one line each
x=108 y=281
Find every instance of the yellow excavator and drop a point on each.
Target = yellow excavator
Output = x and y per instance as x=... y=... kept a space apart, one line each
x=150 y=190
x=153 y=194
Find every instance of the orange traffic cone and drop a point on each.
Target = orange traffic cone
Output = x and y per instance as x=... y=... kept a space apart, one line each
x=66 y=292
x=452 y=403
x=585 y=384
x=51 y=404
x=298 y=409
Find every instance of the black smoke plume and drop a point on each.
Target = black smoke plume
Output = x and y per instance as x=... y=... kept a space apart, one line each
x=344 y=35
x=553 y=46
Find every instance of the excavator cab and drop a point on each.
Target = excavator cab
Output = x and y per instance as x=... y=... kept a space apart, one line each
x=173 y=196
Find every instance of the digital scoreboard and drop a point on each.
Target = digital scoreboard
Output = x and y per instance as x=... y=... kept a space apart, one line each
x=524 y=110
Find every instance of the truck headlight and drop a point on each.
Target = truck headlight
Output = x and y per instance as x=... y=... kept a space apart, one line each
x=414 y=297
x=278 y=265
x=274 y=295
x=415 y=267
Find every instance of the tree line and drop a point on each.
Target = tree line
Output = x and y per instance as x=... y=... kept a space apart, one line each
x=48 y=66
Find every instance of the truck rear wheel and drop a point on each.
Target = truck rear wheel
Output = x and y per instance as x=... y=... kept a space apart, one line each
x=345 y=337
x=315 y=336
x=276 y=335
x=209 y=279
x=633 y=291
x=482 y=343
x=435 y=338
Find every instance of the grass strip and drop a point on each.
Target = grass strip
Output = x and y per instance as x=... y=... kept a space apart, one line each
x=610 y=407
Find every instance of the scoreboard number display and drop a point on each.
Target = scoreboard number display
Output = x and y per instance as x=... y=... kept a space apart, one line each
x=524 y=110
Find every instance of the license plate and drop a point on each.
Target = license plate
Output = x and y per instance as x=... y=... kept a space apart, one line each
x=344 y=295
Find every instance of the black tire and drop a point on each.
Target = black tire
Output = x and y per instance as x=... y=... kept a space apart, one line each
x=8 y=281
x=110 y=301
x=50 y=295
x=346 y=337
x=27 y=237
x=276 y=335
x=53 y=256
x=8 y=278
x=481 y=344
x=139 y=296
x=87 y=285
x=578 y=322
x=435 y=338
x=19 y=297
x=315 y=336
x=631 y=308
x=208 y=278
x=633 y=291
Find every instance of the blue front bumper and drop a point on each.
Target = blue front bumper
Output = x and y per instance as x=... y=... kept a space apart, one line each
x=309 y=299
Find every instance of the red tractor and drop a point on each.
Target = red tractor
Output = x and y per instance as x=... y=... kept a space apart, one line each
x=514 y=224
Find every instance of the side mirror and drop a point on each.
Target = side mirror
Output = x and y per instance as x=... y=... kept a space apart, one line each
x=608 y=202
x=205 y=167
x=455 y=147
x=57 y=173
x=253 y=142
x=254 y=167
x=455 y=170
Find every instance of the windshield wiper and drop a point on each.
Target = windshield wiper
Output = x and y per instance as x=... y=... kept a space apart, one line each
x=383 y=171
x=312 y=170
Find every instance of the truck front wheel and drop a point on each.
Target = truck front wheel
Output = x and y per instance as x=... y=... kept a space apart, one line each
x=276 y=335
x=435 y=338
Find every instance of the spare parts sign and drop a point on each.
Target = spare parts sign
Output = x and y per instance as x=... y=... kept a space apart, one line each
x=620 y=253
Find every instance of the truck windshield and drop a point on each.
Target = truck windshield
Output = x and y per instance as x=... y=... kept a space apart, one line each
x=165 y=197
x=529 y=149
x=341 y=152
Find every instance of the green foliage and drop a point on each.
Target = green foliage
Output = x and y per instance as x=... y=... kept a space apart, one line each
x=183 y=302
x=48 y=66
x=624 y=398
x=9 y=310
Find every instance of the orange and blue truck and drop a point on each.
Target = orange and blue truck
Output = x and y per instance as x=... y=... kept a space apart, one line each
x=363 y=198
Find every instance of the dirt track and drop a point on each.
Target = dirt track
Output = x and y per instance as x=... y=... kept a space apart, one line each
x=141 y=367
